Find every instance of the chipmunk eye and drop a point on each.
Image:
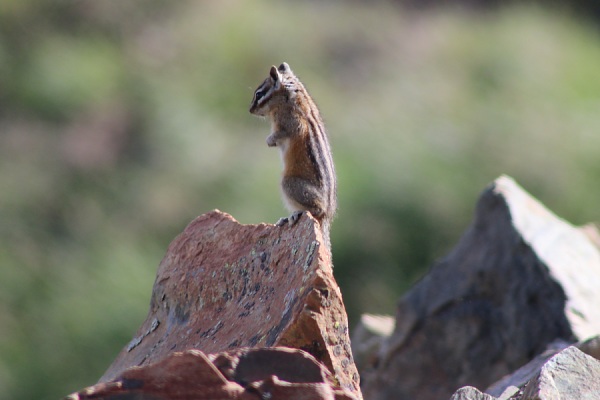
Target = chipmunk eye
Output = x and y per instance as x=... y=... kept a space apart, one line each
x=260 y=94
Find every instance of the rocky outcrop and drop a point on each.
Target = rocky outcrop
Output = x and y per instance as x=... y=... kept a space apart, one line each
x=524 y=375
x=242 y=374
x=569 y=374
x=519 y=280
x=471 y=393
x=253 y=311
x=224 y=286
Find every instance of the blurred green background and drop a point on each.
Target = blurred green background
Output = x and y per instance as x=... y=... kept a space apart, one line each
x=121 y=121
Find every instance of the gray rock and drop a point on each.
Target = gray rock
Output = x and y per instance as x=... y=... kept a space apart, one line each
x=556 y=374
x=471 y=393
x=521 y=376
x=519 y=279
x=571 y=374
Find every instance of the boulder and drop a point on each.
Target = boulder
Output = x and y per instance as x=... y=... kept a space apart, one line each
x=471 y=393
x=570 y=374
x=223 y=286
x=567 y=374
x=242 y=374
x=519 y=279
x=525 y=373
x=521 y=376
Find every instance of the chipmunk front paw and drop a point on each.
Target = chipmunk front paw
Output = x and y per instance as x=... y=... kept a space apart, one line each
x=271 y=142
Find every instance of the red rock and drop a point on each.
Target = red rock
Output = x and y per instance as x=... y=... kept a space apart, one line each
x=243 y=374
x=223 y=286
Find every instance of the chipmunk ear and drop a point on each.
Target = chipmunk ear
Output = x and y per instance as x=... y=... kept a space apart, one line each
x=275 y=74
x=284 y=67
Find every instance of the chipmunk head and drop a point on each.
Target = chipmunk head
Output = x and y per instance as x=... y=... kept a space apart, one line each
x=276 y=89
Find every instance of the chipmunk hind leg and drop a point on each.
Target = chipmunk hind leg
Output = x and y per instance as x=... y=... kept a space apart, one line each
x=302 y=195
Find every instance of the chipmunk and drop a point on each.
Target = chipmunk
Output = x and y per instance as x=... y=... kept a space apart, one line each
x=309 y=181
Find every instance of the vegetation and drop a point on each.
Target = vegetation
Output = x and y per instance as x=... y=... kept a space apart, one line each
x=121 y=121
